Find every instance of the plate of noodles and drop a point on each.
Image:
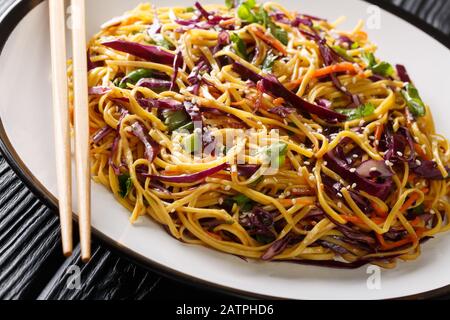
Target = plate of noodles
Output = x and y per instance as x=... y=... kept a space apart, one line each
x=265 y=149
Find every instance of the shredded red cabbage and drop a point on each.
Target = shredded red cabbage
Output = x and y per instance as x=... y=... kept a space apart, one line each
x=101 y=134
x=276 y=248
x=165 y=103
x=190 y=178
x=177 y=64
x=343 y=169
x=98 y=91
x=154 y=84
x=273 y=87
x=151 y=147
x=403 y=73
x=146 y=52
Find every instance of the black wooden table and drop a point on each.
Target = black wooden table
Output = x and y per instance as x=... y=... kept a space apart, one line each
x=31 y=263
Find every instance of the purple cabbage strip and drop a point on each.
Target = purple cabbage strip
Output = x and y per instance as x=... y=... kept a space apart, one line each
x=154 y=84
x=275 y=88
x=189 y=178
x=259 y=222
x=163 y=104
x=205 y=14
x=146 y=52
x=282 y=112
x=403 y=73
x=247 y=170
x=396 y=146
x=343 y=169
x=98 y=90
x=427 y=169
x=151 y=147
x=177 y=64
x=92 y=65
x=101 y=134
x=276 y=248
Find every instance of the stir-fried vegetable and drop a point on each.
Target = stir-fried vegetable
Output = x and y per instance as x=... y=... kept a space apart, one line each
x=413 y=100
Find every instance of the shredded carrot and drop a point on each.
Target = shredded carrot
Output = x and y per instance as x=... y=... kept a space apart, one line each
x=378 y=211
x=420 y=151
x=270 y=41
x=278 y=102
x=378 y=133
x=340 y=67
x=411 y=200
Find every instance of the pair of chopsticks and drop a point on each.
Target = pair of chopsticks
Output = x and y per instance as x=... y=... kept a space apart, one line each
x=62 y=124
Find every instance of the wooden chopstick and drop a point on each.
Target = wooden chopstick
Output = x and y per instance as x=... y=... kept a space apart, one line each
x=61 y=121
x=81 y=114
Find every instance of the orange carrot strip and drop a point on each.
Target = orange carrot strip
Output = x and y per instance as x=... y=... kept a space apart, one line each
x=420 y=151
x=340 y=67
x=270 y=41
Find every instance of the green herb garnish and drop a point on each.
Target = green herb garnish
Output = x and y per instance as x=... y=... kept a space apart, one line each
x=413 y=100
x=125 y=185
x=362 y=111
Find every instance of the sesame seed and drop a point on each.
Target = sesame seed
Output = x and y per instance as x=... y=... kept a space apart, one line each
x=432 y=211
x=418 y=162
x=354 y=186
x=373 y=169
x=227 y=188
x=312 y=178
x=221 y=201
x=361 y=123
x=339 y=205
x=344 y=89
x=352 y=170
x=388 y=163
x=282 y=196
x=340 y=195
x=294 y=201
x=400 y=154
x=307 y=163
x=325 y=163
x=355 y=156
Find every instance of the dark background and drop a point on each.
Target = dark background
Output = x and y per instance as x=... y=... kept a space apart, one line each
x=31 y=263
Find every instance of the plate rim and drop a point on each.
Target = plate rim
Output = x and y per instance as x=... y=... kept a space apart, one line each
x=14 y=14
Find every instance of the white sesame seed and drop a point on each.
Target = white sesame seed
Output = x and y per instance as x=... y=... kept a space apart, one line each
x=432 y=211
x=294 y=201
x=388 y=163
x=354 y=186
x=282 y=196
x=312 y=178
x=373 y=169
x=227 y=188
x=352 y=170
x=339 y=205
x=400 y=154
x=372 y=138
x=416 y=139
x=344 y=89
x=325 y=163
x=361 y=123
x=340 y=195
x=355 y=156
x=418 y=162
x=307 y=163
x=221 y=201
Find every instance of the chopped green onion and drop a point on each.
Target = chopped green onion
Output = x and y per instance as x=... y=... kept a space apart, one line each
x=175 y=119
x=343 y=53
x=190 y=9
x=135 y=76
x=414 y=101
x=362 y=111
x=125 y=185
x=269 y=62
x=239 y=46
x=383 y=68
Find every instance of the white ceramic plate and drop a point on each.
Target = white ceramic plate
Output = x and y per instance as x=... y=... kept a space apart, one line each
x=27 y=141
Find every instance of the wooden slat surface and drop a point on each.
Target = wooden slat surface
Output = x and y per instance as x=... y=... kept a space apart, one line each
x=31 y=263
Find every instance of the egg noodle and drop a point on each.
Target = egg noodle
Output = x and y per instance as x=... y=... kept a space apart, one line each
x=319 y=152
